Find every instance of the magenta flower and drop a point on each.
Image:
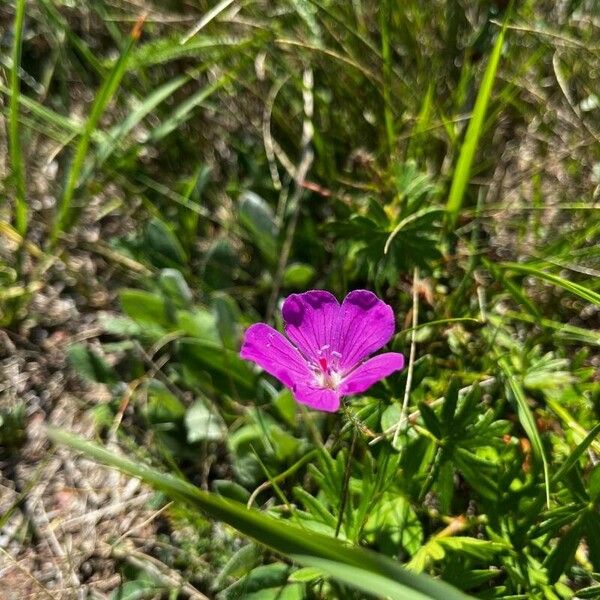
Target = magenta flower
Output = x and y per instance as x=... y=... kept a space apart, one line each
x=326 y=358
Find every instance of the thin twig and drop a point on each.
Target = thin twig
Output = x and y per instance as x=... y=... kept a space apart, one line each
x=411 y=360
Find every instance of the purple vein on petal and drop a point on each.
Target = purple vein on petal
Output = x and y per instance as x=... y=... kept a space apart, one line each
x=366 y=323
x=275 y=354
x=370 y=372
x=306 y=316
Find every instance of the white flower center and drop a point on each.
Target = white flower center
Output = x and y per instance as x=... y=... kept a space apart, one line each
x=326 y=371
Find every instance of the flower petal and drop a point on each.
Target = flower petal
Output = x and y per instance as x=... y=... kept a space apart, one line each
x=365 y=324
x=318 y=398
x=370 y=372
x=270 y=350
x=310 y=320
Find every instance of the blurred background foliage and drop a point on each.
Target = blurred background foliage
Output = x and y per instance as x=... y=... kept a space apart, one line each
x=174 y=169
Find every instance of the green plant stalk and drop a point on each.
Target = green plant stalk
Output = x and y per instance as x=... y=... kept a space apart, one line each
x=275 y=534
x=462 y=171
x=16 y=155
x=64 y=217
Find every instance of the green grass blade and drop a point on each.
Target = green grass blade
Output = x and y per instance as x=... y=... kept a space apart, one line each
x=565 y=331
x=422 y=123
x=527 y=421
x=576 y=454
x=64 y=217
x=48 y=116
x=279 y=536
x=514 y=290
x=462 y=171
x=117 y=133
x=579 y=432
x=184 y=111
x=388 y=115
x=16 y=154
x=574 y=288
x=58 y=23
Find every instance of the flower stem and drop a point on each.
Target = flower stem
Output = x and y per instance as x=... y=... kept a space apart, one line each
x=347 y=472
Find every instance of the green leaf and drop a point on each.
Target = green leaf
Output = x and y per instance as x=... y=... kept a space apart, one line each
x=592 y=592
x=198 y=323
x=218 y=265
x=286 y=406
x=306 y=574
x=480 y=474
x=315 y=507
x=163 y=246
x=450 y=403
x=163 y=406
x=227 y=316
x=297 y=276
x=202 y=425
x=175 y=288
x=390 y=416
x=227 y=370
x=144 y=308
x=527 y=421
x=134 y=590
x=262 y=583
x=430 y=419
x=355 y=563
x=444 y=487
x=363 y=579
x=257 y=217
x=592 y=534
x=395 y=520
x=242 y=561
x=120 y=326
x=594 y=483
x=231 y=489
x=481 y=550
x=467 y=579
x=562 y=555
x=90 y=365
